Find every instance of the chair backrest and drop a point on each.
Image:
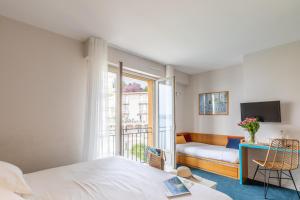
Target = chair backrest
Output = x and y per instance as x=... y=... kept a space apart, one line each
x=285 y=153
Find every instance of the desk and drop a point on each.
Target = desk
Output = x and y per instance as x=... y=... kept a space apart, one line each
x=243 y=155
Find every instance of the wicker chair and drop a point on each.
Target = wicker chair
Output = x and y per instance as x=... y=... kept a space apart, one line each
x=282 y=157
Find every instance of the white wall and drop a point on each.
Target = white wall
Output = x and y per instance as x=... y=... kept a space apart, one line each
x=182 y=80
x=181 y=113
x=181 y=77
x=230 y=80
x=271 y=74
x=43 y=89
x=274 y=75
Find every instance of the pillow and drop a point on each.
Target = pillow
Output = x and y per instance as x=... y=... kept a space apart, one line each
x=180 y=139
x=233 y=143
x=9 y=195
x=11 y=178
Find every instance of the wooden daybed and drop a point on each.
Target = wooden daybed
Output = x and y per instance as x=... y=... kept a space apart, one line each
x=223 y=168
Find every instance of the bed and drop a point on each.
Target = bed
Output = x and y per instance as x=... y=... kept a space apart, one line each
x=209 y=152
x=108 y=179
x=201 y=150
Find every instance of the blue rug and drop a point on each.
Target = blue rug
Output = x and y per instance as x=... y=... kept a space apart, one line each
x=236 y=191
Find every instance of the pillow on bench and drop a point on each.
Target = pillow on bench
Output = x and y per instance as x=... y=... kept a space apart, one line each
x=233 y=143
x=180 y=139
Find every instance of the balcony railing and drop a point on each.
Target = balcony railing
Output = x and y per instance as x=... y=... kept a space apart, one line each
x=134 y=143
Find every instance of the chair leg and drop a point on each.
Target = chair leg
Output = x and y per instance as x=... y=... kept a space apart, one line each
x=265 y=184
x=279 y=178
x=294 y=183
x=255 y=173
x=268 y=182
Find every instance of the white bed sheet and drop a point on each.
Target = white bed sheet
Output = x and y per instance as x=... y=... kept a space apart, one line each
x=209 y=151
x=108 y=179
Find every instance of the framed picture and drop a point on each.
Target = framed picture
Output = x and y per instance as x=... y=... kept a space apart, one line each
x=214 y=103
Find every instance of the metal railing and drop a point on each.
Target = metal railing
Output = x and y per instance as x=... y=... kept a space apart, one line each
x=135 y=143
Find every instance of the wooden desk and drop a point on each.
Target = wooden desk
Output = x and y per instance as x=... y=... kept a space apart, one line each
x=243 y=155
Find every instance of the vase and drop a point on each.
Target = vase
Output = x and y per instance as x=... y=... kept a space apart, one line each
x=252 y=138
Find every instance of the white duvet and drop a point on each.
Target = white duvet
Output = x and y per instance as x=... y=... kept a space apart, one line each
x=108 y=179
x=209 y=151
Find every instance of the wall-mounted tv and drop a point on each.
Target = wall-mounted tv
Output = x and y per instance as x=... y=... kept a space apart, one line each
x=268 y=111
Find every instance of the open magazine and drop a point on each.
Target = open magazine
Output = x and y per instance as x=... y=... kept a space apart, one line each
x=175 y=187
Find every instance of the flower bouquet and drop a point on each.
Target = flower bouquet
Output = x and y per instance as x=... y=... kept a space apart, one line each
x=251 y=125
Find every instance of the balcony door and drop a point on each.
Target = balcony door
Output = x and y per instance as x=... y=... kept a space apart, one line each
x=137 y=117
x=130 y=113
x=166 y=119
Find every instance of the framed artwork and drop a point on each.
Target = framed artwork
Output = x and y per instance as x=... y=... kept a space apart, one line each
x=214 y=103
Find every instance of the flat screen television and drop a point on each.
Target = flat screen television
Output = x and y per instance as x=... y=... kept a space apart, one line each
x=268 y=111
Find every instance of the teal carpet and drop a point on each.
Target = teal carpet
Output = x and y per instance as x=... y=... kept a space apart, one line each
x=236 y=191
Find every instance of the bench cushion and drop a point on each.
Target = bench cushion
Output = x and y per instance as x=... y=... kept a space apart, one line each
x=202 y=150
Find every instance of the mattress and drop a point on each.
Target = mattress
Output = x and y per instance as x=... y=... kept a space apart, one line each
x=108 y=179
x=201 y=150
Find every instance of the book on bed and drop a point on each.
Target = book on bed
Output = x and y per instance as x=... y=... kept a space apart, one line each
x=175 y=187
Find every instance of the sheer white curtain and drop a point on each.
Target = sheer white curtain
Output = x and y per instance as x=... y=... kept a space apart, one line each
x=96 y=135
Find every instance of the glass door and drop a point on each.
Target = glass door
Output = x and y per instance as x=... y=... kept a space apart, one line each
x=166 y=119
x=130 y=113
x=136 y=116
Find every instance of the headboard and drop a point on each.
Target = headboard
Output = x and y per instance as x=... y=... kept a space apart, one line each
x=213 y=139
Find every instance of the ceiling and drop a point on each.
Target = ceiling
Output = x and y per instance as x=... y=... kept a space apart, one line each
x=194 y=35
